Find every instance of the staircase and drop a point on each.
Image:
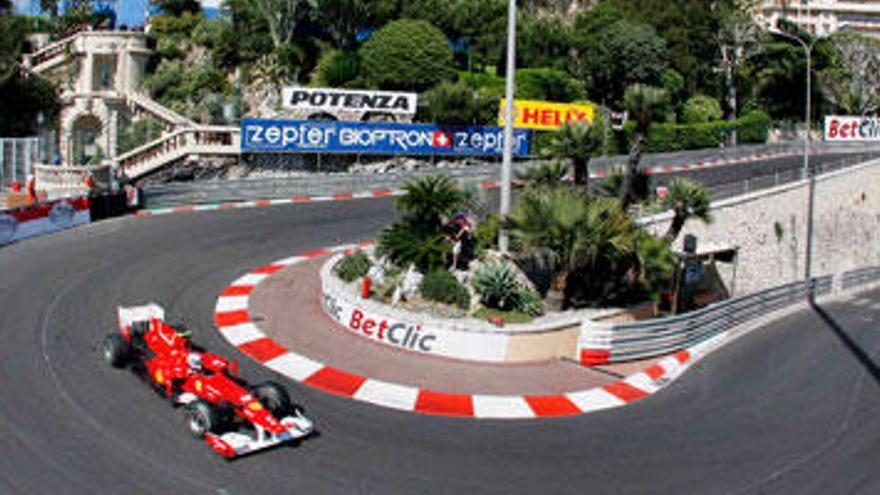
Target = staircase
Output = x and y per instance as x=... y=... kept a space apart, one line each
x=183 y=138
x=193 y=142
x=142 y=104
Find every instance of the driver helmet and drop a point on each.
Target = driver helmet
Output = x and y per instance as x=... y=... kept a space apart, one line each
x=194 y=361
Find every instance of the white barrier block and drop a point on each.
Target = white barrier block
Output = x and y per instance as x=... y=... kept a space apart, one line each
x=250 y=279
x=294 y=366
x=386 y=394
x=500 y=406
x=241 y=334
x=232 y=303
x=642 y=382
x=595 y=399
x=290 y=261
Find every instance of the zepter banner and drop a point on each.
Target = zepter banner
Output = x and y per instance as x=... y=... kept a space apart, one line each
x=331 y=100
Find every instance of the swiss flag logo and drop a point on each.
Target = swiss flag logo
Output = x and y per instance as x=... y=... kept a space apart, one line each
x=442 y=139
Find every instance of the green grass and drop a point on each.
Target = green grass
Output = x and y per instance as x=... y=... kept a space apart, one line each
x=507 y=316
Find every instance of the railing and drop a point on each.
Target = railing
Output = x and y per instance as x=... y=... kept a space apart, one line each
x=205 y=141
x=64 y=181
x=54 y=52
x=156 y=109
x=639 y=340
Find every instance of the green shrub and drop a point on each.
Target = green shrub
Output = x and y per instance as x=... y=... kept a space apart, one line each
x=407 y=54
x=753 y=127
x=497 y=286
x=499 y=289
x=456 y=104
x=138 y=134
x=441 y=286
x=530 y=303
x=337 y=69
x=701 y=109
x=353 y=266
x=486 y=232
x=549 y=85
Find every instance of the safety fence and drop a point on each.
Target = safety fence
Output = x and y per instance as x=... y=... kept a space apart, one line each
x=220 y=191
x=612 y=343
x=17 y=159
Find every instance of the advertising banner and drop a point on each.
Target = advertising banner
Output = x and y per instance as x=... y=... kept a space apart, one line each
x=331 y=100
x=41 y=219
x=848 y=128
x=545 y=115
x=412 y=336
x=258 y=135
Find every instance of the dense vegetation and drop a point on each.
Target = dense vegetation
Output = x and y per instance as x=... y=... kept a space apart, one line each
x=453 y=51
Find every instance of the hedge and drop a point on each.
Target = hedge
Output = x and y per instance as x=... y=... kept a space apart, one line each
x=751 y=128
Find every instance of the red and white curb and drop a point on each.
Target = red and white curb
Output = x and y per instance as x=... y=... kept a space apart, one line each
x=235 y=324
x=398 y=192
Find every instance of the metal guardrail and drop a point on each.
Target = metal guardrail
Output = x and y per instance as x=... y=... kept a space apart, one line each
x=639 y=340
x=219 y=191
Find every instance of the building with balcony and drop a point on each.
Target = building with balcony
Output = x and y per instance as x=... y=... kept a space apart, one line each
x=823 y=17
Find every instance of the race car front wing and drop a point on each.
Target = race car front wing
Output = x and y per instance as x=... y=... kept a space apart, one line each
x=235 y=444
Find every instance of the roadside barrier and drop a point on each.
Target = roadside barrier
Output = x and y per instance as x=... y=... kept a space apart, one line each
x=43 y=218
x=613 y=343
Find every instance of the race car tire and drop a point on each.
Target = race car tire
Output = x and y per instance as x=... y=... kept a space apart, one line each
x=274 y=398
x=115 y=350
x=201 y=418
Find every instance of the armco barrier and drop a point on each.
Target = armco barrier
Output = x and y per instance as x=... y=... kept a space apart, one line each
x=42 y=218
x=603 y=344
x=571 y=336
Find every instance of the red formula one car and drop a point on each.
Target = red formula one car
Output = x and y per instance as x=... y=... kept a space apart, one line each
x=234 y=418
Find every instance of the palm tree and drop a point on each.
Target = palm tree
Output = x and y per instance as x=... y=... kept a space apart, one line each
x=570 y=232
x=576 y=142
x=687 y=199
x=427 y=200
x=655 y=262
x=547 y=174
x=418 y=238
x=613 y=184
x=643 y=104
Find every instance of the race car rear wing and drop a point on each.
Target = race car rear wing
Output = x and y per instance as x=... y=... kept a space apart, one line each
x=136 y=314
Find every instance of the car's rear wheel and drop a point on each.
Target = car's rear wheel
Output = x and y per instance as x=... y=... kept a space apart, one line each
x=201 y=418
x=274 y=398
x=115 y=350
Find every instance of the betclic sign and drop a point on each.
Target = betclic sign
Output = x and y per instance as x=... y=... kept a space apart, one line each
x=332 y=100
x=545 y=115
x=849 y=128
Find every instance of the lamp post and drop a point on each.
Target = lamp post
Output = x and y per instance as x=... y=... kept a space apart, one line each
x=503 y=241
x=806 y=173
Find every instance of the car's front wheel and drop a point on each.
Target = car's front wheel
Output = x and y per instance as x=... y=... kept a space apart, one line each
x=201 y=418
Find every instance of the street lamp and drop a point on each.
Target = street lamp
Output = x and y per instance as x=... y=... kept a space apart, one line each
x=808 y=53
x=503 y=241
x=806 y=173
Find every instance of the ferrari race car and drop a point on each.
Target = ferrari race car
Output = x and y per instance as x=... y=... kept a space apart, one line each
x=233 y=417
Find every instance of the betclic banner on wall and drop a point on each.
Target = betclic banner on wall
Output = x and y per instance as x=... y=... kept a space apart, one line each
x=332 y=100
x=386 y=138
x=546 y=115
x=851 y=128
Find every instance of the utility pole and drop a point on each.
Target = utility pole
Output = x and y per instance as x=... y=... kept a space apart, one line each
x=503 y=241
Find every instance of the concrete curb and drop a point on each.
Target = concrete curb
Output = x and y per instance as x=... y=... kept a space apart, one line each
x=397 y=192
x=234 y=323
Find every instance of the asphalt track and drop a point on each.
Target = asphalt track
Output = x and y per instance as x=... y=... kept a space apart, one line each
x=791 y=408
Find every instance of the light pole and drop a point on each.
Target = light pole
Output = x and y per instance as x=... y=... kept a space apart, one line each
x=808 y=53
x=806 y=173
x=503 y=241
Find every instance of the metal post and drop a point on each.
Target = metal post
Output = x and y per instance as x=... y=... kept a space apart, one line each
x=14 y=160
x=2 y=162
x=806 y=169
x=503 y=241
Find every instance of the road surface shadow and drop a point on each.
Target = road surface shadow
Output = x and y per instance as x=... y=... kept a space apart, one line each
x=854 y=348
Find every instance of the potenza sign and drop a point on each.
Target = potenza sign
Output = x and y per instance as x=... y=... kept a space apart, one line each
x=332 y=100
x=844 y=128
x=476 y=346
x=261 y=135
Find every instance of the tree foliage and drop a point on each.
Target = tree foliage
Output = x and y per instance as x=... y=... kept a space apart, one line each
x=407 y=54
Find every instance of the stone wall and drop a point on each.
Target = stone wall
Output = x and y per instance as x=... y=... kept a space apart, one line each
x=770 y=229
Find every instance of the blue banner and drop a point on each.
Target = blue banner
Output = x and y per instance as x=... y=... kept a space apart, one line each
x=312 y=136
